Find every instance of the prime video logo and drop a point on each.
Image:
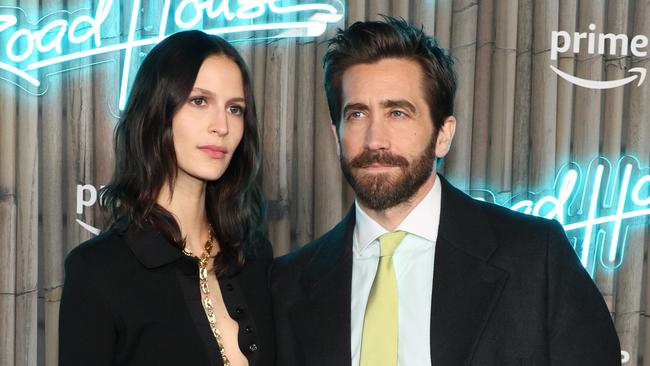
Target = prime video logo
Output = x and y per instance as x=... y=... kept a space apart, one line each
x=599 y=44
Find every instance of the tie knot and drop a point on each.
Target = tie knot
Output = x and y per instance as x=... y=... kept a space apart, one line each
x=389 y=241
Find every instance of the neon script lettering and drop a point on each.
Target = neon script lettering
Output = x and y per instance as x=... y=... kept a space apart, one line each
x=48 y=43
x=596 y=208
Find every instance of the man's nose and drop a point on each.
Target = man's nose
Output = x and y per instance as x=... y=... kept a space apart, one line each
x=377 y=135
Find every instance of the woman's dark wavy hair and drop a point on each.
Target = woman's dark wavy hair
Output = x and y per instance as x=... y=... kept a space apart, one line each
x=145 y=158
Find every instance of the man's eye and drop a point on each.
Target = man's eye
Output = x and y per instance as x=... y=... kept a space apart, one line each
x=355 y=115
x=398 y=114
x=198 y=101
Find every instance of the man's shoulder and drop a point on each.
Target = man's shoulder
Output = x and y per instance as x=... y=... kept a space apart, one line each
x=302 y=255
x=330 y=243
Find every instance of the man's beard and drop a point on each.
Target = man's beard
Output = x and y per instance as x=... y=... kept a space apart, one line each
x=385 y=190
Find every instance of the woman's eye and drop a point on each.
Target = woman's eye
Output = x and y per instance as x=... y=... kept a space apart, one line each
x=198 y=101
x=236 y=110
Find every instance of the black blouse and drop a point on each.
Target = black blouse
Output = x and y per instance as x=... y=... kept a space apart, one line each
x=133 y=299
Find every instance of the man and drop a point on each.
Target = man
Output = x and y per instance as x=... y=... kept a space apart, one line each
x=418 y=273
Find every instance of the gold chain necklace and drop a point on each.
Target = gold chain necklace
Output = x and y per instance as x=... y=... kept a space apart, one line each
x=205 y=294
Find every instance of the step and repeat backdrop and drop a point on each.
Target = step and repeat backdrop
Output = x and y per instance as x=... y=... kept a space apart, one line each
x=553 y=110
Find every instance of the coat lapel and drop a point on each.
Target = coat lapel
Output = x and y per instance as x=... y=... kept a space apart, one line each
x=465 y=286
x=322 y=316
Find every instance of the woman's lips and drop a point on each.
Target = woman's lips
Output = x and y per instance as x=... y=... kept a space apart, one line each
x=213 y=151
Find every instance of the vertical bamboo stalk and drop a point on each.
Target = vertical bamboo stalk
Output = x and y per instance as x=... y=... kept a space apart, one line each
x=481 y=124
x=444 y=11
x=53 y=248
x=586 y=129
x=463 y=48
x=377 y=7
x=565 y=91
x=629 y=310
x=277 y=137
x=106 y=84
x=259 y=72
x=8 y=213
x=328 y=203
x=27 y=219
x=615 y=66
x=79 y=138
x=523 y=85
x=503 y=96
x=400 y=8
x=544 y=98
x=443 y=27
x=303 y=202
x=356 y=12
x=424 y=13
x=7 y=276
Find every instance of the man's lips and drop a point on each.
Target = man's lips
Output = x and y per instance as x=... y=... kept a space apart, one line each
x=378 y=166
x=214 y=151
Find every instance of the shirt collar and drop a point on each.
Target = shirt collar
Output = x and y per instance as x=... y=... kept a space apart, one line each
x=422 y=221
x=150 y=247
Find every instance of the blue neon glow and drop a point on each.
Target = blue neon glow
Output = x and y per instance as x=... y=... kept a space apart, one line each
x=597 y=210
x=47 y=44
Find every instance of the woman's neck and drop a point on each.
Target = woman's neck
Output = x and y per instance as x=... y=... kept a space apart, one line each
x=187 y=204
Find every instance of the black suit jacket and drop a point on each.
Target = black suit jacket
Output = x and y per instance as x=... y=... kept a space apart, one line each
x=133 y=299
x=508 y=289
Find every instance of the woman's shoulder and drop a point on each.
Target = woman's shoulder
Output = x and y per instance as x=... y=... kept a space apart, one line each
x=107 y=248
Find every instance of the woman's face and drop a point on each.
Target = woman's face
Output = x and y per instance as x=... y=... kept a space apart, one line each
x=210 y=124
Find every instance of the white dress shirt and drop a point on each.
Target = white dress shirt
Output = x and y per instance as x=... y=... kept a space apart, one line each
x=413 y=263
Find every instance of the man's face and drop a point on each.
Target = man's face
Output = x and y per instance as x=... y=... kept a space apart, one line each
x=386 y=137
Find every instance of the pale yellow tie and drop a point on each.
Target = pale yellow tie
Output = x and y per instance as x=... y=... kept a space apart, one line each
x=379 y=339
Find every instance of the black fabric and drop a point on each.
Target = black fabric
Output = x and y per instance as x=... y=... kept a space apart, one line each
x=508 y=289
x=133 y=299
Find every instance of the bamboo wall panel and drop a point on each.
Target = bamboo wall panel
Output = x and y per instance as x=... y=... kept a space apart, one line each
x=482 y=94
x=518 y=123
x=523 y=85
x=463 y=49
x=503 y=95
x=27 y=197
x=544 y=94
x=630 y=311
x=8 y=103
x=568 y=18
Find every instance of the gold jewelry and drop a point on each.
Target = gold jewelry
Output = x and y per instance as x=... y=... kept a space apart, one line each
x=205 y=294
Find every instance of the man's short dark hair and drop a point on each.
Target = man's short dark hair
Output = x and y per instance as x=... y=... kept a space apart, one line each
x=372 y=41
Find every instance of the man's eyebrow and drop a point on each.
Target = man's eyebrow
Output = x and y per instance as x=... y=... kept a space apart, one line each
x=355 y=106
x=399 y=103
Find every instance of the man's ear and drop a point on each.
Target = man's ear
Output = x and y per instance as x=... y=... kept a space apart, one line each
x=336 y=138
x=445 y=136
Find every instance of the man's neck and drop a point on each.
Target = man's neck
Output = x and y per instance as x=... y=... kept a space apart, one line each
x=390 y=218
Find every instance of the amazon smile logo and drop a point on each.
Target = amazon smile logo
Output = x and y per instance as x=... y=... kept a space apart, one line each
x=600 y=44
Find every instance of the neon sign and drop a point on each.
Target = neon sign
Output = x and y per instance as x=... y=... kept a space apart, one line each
x=597 y=207
x=48 y=43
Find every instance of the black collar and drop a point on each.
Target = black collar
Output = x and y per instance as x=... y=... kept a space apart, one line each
x=150 y=247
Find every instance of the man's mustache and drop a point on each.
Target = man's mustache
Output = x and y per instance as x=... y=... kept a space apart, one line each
x=369 y=157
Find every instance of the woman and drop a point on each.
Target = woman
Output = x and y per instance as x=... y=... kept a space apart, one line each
x=180 y=276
